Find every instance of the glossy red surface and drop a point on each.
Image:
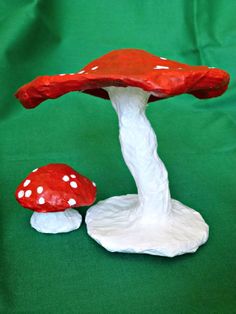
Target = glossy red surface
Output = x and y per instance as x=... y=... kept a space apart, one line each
x=129 y=67
x=55 y=187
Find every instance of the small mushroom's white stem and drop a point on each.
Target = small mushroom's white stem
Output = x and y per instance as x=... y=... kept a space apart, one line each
x=139 y=148
x=56 y=222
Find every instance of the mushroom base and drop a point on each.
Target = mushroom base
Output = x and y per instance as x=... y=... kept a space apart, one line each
x=56 y=222
x=115 y=224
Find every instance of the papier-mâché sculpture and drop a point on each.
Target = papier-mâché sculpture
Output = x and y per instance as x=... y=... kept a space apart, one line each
x=51 y=192
x=150 y=222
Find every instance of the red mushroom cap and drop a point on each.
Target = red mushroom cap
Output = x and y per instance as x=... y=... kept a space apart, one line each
x=54 y=188
x=129 y=67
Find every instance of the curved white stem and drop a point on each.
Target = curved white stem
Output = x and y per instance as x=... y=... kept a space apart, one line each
x=139 y=148
x=150 y=222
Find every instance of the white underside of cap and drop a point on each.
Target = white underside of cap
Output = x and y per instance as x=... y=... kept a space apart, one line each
x=56 y=222
x=116 y=225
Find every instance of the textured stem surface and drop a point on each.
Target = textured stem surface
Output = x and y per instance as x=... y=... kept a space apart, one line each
x=139 y=148
x=56 y=222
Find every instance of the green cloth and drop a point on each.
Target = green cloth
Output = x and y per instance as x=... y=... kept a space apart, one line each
x=70 y=273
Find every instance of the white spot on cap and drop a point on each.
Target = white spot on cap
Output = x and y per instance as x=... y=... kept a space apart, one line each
x=163 y=58
x=41 y=200
x=26 y=183
x=35 y=170
x=28 y=193
x=81 y=72
x=21 y=193
x=73 y=184
x=94 y=68
x=160 y=67
x=71 y=202
x=71 y=73
x=39 y=189
x=62 y=74
x=73 y=176
x=94 y=184
x=66 y=178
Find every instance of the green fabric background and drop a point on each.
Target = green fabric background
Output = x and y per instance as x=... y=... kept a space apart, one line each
x=70 y=273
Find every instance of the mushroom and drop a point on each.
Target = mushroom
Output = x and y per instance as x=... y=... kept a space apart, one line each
x=51 y=191
x=150 y=222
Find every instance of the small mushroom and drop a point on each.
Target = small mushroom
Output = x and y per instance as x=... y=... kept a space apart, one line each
x=150 y=222
x=51 y=192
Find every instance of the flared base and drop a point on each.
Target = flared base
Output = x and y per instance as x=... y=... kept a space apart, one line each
x=56 y=222
x=114 y=224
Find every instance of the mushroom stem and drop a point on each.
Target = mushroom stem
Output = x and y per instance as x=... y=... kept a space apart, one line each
x=56 y=222
x=139 y=148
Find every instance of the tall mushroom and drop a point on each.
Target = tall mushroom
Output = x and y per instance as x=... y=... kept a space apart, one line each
x=51 y=192
x=150 y=222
